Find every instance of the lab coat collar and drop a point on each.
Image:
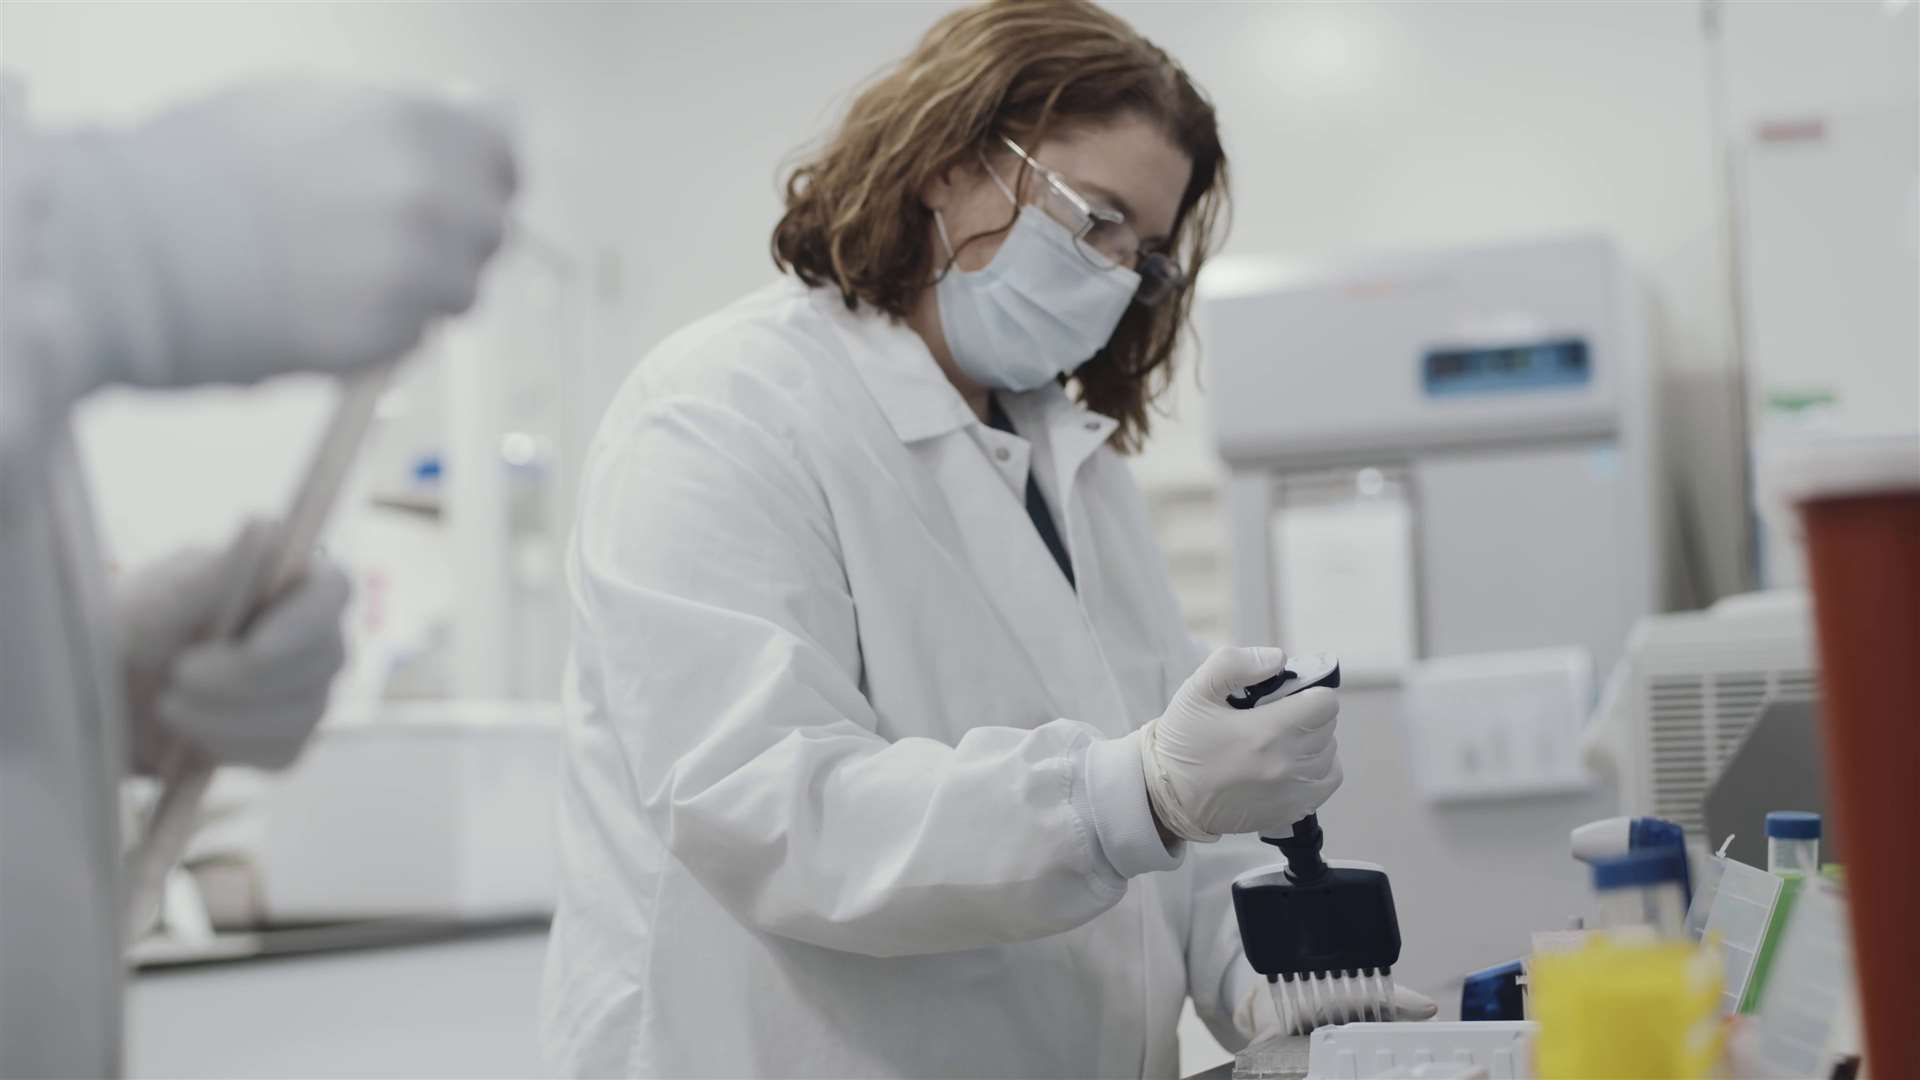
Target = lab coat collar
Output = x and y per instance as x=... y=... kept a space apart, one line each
x=911 y=390
x=1068 y=424
x=1073 y=433
x=919 y=402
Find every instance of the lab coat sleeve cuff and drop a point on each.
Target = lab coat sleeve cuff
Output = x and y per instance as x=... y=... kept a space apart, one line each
x=1115 y=792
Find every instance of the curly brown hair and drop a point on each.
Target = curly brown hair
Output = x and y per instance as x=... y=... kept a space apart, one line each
x=1020 y=68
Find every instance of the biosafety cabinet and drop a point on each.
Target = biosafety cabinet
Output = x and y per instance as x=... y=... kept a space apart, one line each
x=1435 y=454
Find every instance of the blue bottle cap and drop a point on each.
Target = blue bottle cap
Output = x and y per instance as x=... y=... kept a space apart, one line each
x=1657 y=866
x=1793 y=825
x=1493 y=994
x=1651 y=832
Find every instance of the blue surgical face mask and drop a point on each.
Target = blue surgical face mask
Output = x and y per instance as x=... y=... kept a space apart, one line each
x=1035 y=312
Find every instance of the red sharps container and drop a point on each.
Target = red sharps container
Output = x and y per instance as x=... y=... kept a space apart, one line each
x=1859 y=504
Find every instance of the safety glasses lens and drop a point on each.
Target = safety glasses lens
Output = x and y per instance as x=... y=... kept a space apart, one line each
x=1160 y=278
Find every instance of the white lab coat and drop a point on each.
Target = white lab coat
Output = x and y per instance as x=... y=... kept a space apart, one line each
x=843 y=795
x=61 y=751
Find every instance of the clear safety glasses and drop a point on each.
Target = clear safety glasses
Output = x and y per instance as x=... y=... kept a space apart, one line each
x=1101 y=235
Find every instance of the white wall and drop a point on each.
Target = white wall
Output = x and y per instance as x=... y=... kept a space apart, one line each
x=1799 y=59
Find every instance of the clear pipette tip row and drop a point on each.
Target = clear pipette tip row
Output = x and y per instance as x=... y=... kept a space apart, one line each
x=1302 y=1003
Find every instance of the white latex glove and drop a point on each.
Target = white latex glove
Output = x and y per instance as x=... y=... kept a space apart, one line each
x=251 y=702
x=1257 y=1016
x=1213 y=769
x=280 y=227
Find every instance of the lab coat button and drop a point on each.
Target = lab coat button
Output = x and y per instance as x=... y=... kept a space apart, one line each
x=1093 y=425
x=1002 y=453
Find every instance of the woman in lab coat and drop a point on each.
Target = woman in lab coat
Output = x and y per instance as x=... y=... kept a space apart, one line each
x=868 y=617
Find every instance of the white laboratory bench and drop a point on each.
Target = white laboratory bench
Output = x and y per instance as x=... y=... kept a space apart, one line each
x=466 y=1006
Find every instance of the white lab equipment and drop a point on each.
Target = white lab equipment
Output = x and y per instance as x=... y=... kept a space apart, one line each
x=1686 y=692
x=434 y=809
x=1444 y=1050
x=1494 y=1049
x=1492 y=725
x=1826 y=208
x=426 y=814
x=1429 y=1050
x=1438 y=453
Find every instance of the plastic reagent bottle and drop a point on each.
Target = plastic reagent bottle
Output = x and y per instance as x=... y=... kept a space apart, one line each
x=1793 y=842
x=1643 y=888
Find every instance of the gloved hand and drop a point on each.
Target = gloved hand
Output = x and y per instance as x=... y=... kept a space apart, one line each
x=251 y=702
x=281 y=227
x=1257 y=1016
x=1213 y=769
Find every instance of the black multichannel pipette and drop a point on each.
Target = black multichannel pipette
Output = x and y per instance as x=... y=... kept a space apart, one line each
x=1324 y=934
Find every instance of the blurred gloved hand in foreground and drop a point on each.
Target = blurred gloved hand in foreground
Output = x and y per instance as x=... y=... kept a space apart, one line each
x=1213 y=769
x=279 y=227
x=247 y=702
x=1257 y=1016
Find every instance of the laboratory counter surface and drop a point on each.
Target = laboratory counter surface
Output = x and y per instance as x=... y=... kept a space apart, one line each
x=386 y=999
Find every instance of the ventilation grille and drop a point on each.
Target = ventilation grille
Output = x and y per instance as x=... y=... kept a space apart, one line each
x=1798 y=685
x=1696 y=722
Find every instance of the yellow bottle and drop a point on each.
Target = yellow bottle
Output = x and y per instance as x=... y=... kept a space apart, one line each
x=1612 y=1009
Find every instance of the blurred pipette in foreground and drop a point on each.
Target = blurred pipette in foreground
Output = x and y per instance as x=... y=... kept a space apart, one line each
x=262 y=571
